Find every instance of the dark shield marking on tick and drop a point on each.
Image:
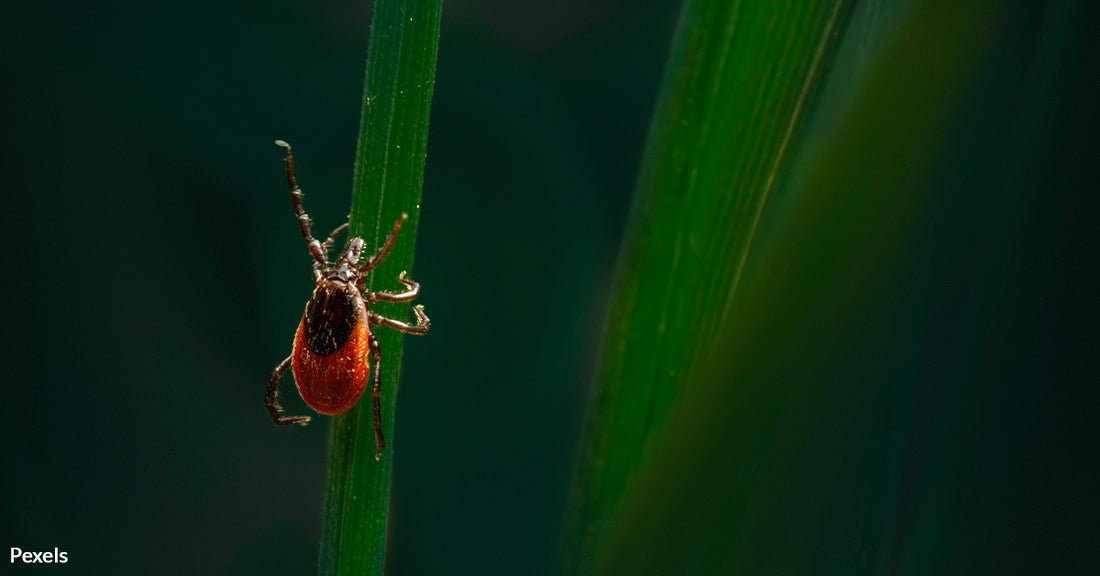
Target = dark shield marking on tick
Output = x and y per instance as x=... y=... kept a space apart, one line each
x=330 y=317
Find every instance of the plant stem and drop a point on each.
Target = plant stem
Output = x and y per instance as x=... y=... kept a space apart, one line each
x=389 y=173
x=737 y=86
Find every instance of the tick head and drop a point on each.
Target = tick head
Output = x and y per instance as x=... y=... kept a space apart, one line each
x=343 y=270
x=342 y=275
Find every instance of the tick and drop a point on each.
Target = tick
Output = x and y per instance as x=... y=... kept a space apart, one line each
x=334 y=345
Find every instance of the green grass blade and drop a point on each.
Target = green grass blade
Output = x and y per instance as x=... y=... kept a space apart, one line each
x=389 y=172
x=795 y=454
x=738 y=84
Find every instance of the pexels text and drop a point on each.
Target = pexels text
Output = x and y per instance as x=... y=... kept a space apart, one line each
x=28 y=557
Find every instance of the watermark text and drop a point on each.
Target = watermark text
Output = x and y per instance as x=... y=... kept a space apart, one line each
x=29 y=557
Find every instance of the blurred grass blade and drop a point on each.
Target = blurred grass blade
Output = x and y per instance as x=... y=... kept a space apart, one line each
x=389 y=172
x=737 y=86
x=795 y=455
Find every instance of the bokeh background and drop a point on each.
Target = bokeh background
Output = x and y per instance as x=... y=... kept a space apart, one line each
x=155 y=276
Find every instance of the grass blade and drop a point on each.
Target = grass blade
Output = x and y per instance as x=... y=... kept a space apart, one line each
x=738 y=83
x=801 y=452
x=389 y=172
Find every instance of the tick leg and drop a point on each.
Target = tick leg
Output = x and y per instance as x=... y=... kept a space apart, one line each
x=376 y=397
x=384 y=251
x=297 y=197
x=327 y=245
x=272 y=402
x=407 y=296
x=422 y=322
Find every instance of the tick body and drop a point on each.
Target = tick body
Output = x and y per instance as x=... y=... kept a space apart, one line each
x=334 y=346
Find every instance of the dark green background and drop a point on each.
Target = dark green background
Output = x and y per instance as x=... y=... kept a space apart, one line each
x=154 y=276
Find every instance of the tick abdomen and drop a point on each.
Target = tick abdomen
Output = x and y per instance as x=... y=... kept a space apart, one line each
x=335 y=321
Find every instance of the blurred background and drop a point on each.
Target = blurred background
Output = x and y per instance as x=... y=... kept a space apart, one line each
x=155 y=276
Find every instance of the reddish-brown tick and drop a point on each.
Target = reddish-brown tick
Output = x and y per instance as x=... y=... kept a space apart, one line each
x=334 y=344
